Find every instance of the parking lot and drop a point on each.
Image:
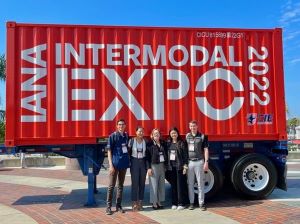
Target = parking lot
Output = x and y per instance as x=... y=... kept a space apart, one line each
x=56 y=195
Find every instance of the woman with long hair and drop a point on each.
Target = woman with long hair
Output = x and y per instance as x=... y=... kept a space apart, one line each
x=137 y=150
x=177 y=166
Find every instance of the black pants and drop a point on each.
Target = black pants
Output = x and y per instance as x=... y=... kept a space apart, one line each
x=178 y=186
x=120 y=175
x=138 y=178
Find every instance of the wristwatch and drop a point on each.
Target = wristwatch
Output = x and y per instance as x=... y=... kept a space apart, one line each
x=206 y=161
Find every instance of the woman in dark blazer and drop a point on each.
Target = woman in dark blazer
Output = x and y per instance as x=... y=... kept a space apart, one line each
x=177 y=165
x=155 y=161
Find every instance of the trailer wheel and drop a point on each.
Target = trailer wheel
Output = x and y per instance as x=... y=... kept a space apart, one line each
x=213 y=181
x=254 y=176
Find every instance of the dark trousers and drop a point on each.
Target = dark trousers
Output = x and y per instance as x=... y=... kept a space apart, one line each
x=138 y=178
x=178 y=183
x=120 y=174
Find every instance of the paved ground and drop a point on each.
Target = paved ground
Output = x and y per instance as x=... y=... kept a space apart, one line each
x=57 y=196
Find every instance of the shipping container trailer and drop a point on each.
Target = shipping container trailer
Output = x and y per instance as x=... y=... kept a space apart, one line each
x=67 y=85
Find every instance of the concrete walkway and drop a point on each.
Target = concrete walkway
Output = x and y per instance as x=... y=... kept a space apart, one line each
x=169 y=216
x=58 y=184
x=13 y=216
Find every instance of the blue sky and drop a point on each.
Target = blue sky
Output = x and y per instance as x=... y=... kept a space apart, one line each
x=197 y=13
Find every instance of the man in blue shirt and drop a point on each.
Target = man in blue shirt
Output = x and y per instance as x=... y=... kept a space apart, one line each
x=118 y=160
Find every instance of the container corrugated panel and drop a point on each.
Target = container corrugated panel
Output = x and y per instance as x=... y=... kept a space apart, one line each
x=70 y=84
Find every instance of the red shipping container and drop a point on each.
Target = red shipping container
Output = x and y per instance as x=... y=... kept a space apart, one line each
x=69 y=84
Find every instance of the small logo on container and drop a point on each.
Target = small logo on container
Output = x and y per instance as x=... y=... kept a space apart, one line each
x=251 y=118
x=255 y=118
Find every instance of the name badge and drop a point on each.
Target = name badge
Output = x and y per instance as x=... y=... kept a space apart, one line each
x=172 y=155
x=124 y=148
x=139 y=153
x=161 y=157
x=192 y=146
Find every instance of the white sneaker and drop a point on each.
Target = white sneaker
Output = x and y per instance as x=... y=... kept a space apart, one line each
x=174 y=207
x=180 y=207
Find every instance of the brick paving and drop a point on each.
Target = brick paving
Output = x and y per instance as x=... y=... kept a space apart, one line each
x=47 y=205
x=258 y=211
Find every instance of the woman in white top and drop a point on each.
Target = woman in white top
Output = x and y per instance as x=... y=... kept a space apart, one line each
x=137 y=150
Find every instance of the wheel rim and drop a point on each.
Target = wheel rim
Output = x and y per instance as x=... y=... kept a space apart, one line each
x=255 y=177
x=208 y=180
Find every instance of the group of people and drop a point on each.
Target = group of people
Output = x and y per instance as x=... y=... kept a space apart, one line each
x=178 y=160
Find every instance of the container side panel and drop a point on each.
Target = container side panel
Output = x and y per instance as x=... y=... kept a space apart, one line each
x=70 y=84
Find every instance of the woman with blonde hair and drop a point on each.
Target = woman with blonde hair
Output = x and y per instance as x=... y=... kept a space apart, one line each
x=156 y=159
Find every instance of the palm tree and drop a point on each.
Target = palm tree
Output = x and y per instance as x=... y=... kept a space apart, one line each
x=2 y=112
x=2 y=115
x=292 y=124
x=2 y=68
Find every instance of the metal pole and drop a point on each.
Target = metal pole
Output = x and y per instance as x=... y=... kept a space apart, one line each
x=88 y=153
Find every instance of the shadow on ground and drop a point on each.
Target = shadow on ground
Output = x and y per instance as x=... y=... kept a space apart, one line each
x=77 y=199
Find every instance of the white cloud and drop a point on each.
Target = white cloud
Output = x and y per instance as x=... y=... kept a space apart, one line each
x=296 y=60
x=290 y=21
x=290 y=13
x=291 y=35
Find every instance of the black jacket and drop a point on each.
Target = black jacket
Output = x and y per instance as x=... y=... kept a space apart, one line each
x=152 y=153
x=181 y=155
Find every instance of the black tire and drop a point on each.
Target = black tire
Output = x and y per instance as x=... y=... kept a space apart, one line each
x=218 y=179
x=254 y=176
x=232 y=174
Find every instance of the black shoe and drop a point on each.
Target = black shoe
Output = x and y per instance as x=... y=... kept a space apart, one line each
x=191 y=207
x=120 y=209
x=160 y=206
x=202 y=207
x=155 y=208
x=108 y=211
